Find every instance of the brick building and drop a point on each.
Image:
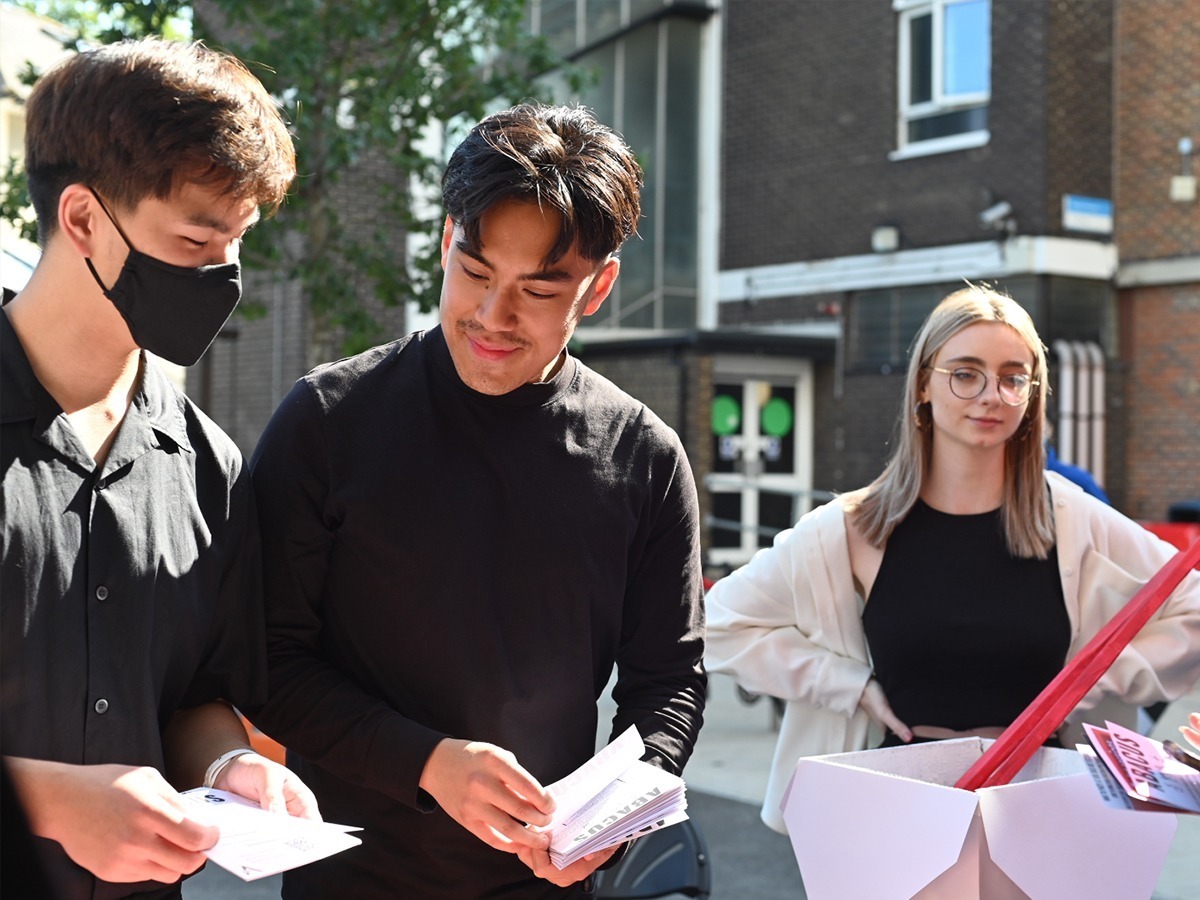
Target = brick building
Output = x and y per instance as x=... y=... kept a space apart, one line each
x=819 y=175
x=1157 y=107
x=851 y=164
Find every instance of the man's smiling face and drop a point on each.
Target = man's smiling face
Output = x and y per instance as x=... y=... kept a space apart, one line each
x=506 y=311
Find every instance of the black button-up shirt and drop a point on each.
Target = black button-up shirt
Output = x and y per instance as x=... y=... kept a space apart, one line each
x=128 y=590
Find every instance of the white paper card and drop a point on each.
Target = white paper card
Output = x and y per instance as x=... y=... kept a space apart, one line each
x=255 y=842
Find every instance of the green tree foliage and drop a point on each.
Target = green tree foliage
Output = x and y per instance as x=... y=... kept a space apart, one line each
x=358 y=80
x=365 y=80
x=97 y=22
x=14 y=200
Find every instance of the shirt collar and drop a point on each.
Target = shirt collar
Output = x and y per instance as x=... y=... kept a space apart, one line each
x=21 y=394
x=155 y=404
x=160 y=404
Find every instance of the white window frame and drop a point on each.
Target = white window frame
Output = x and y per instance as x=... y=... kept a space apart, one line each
x=940 y=102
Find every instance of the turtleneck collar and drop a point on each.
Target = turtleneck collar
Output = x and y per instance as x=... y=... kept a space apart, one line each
x=534 y=394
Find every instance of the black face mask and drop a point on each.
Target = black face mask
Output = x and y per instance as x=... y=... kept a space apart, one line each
x=173 y=311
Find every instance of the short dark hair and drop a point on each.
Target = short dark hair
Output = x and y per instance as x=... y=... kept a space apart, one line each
x=141 y=118
x=556 y=156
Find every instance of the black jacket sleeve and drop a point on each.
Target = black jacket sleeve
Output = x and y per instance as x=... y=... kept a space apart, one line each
x=314 y=707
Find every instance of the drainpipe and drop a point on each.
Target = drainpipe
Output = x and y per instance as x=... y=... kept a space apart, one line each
x=1064 y=437
x=1083 y=405
x=1099 y=409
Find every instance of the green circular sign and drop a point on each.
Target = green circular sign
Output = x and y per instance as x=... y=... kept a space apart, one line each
x=726 y=415
x=777 y=417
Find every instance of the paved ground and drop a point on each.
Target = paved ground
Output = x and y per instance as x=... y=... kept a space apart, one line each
x=725 y=780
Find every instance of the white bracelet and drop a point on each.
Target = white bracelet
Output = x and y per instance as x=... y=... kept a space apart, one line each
x=218 y=764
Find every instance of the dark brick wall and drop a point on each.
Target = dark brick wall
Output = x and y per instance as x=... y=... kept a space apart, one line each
x=1157 y=101
x=1163 y=397
x=810 y=112
x=1079 y=62
x=806 y=83
x=810 y=117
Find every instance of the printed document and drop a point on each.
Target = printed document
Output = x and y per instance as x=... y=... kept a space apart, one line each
x=255 y=842
x=1142 y=769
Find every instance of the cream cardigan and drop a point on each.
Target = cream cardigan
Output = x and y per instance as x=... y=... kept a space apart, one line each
x=788 y=624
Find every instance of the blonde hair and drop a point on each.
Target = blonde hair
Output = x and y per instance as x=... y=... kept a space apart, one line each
x=1025 y=510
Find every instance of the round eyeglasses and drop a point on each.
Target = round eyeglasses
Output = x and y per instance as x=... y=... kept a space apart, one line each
x=967 y=383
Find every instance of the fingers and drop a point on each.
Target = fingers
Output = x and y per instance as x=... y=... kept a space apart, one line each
x=539 y=863
x=145 y=832
x=272 y=786
x=189 y=835
x=898 y=728
x=874 y=703
x=167 y=861
x=300 y=801
x=485 y=789
x=1191 y=731
x=514 y=790
x=486 y=819
x=174 y=842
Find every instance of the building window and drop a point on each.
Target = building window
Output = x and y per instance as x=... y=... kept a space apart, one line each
x=881 y=325
x=945 y=61
x=645 y=56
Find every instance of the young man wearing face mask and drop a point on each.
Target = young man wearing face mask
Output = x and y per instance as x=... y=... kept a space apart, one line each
x=130 y=573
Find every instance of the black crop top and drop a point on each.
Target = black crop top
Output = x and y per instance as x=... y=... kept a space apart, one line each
x=962 y=634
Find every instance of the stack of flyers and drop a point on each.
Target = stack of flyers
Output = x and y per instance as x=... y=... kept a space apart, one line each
x=1132 y=771
x=612 y=798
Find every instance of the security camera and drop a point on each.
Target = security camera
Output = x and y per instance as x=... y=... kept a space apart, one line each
x=995 y=214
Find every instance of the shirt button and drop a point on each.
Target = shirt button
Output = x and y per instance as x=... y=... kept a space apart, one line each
x=102 y=706
x=101 y=484
x=102 y=593
x=1068 y=571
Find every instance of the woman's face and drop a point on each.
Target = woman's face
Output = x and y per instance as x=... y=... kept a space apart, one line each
x=984 y=422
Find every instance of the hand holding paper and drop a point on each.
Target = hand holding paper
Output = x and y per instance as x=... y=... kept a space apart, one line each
x=486 y=791
x=1191 y=731
x=121 y=823
x=255 y=843
x=274 y=786
x=1138 y=773
x=611 y=799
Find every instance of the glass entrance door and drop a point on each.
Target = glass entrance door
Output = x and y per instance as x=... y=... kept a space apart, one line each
x=761 y=477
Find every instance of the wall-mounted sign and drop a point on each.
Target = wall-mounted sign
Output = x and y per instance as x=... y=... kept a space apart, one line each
x=1090 y=214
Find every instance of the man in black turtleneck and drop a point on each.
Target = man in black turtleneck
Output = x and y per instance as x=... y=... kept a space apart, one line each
x=465 y=530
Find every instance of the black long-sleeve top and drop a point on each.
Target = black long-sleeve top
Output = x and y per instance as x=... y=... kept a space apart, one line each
x=443 y=563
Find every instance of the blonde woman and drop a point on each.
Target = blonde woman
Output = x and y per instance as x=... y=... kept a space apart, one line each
x=940 y=599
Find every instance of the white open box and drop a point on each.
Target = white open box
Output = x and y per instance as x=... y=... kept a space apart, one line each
x=889 y=823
